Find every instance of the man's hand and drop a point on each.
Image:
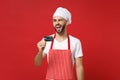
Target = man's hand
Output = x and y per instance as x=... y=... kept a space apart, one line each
x=40 y=55
x=41 y=45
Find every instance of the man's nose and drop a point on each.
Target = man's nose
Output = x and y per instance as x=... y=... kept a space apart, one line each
x=57 y=22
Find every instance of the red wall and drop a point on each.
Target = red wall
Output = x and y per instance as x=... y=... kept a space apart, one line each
x=24 y=22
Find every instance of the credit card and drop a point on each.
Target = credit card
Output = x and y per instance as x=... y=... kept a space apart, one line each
x=48 y=38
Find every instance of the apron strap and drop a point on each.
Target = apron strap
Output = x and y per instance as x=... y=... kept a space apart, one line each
x=53 y=42
x=68 y=42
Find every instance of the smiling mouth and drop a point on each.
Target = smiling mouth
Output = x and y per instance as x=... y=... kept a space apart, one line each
x=57 y=26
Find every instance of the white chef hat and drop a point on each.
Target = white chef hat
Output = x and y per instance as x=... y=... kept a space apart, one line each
x=63 y=12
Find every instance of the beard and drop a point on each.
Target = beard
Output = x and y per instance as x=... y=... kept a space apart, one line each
x=59 y=28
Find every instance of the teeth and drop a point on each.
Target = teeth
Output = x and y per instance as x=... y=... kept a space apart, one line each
x=57 y=26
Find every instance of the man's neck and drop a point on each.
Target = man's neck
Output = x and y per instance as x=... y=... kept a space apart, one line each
x=61 y=37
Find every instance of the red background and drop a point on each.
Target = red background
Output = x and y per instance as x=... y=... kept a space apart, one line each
x=24 y=22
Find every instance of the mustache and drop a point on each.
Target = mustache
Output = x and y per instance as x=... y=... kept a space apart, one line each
x=57 y=25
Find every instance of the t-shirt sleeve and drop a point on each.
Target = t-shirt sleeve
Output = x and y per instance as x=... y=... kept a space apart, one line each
x=78 y=49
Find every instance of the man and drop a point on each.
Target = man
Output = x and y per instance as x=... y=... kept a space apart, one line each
x=62 y=52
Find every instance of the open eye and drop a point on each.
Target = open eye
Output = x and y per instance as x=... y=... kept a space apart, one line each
x=60 y=19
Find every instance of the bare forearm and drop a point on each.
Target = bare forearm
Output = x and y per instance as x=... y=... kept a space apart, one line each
x=40 y=55
x=38 y=58
x=80 y=73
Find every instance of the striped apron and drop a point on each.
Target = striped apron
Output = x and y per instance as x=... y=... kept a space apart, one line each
x=60 y=65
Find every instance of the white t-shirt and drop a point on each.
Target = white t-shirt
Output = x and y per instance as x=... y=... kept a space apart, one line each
x=75 y=46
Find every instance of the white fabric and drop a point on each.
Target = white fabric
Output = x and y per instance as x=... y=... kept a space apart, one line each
x=63 y=12
x=75 y=46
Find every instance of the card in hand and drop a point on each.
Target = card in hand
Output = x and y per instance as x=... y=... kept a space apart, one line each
x=48 y=38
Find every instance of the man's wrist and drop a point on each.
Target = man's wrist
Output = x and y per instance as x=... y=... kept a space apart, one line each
x=40 y=50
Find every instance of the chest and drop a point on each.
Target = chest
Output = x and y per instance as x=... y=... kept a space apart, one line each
x=60 y=45
x=63 y=45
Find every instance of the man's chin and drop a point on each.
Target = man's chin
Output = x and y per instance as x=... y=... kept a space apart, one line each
x=58 y=31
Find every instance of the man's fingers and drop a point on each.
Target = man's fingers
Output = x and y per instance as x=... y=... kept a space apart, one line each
x=41 y=44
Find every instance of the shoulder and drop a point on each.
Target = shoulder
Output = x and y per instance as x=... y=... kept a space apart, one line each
x=74 y=39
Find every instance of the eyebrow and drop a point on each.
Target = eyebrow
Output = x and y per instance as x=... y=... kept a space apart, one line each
x=58 y=19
